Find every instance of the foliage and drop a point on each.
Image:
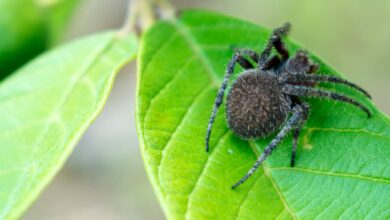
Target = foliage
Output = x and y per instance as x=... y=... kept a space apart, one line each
x=342 y=164
x=28 y=27
x=46 y=106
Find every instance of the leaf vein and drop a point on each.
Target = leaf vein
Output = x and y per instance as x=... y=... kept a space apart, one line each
x=346 y=175
x=267 y=170
x=185 y=64
x=198 y=51
x=201 y=173
x=246 y=195
x=177 y=129
x=347 y=130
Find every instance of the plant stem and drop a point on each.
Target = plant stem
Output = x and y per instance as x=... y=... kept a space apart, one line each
x=142 y=14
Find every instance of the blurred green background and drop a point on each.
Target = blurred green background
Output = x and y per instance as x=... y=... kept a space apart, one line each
x=104 y=178
x=28 y=27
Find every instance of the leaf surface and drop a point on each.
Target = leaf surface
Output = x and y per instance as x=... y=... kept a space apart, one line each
x=342 y=168
x=46 y=106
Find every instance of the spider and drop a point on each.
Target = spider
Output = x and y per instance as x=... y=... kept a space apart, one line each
x=267 y=98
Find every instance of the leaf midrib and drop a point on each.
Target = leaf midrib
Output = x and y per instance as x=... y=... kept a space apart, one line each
x=192 y=42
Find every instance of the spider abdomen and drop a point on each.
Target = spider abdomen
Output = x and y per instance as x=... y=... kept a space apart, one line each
x=255 y=106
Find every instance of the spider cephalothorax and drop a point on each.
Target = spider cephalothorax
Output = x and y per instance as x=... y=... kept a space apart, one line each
x=266 y=98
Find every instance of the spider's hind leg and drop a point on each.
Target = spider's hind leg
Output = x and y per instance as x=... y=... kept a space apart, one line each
x=314 y=92
x=295 y=120
x=237 y=58
x=297 y=131
x=294 y=145
x=311 y=79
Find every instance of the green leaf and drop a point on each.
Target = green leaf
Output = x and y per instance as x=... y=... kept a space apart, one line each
x=342 y=168
x=28 y=27
x=45 y=108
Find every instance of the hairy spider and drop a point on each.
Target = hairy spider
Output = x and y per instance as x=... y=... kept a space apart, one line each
x=266 y=98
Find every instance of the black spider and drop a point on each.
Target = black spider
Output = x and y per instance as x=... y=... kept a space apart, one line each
x=265 y=98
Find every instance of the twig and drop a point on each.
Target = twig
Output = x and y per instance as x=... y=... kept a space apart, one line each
x=142 y=14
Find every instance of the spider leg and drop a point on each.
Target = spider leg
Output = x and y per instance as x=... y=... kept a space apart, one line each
x=275 y=41
x=237 y=58
x=251 y=53
x=295 y=119
x=306 y=78
x=297 y=130
x=244 y=63
x=272 y=62
x=314 y=67
x=294 y=145
x=281 y=48
x=313 y=92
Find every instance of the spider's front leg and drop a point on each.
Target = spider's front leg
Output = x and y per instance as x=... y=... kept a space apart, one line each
x=238 y=57
x=251 y=53
x=275 y=41
x=296 y=119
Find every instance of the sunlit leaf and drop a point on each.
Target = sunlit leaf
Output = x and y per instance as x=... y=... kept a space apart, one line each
x=46 y=106
x=342 y=168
